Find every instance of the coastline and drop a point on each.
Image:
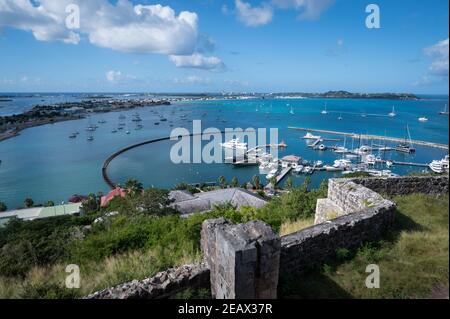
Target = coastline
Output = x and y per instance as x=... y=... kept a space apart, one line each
x=14 y=132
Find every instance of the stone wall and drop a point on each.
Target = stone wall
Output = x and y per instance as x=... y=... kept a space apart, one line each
x=243 y=259
x=314 y=245
x=345 y=197
x=432 y=185
x=164 y=285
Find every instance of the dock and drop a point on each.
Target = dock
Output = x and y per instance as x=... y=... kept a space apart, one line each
x=315 y=143
x=280 y=176
x=373 y=137
x=405 y=163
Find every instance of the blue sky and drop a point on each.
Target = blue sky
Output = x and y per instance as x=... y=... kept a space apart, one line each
x=213 y=46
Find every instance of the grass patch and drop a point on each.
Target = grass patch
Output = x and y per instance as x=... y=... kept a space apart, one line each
x=293 y=227
x=413 y=260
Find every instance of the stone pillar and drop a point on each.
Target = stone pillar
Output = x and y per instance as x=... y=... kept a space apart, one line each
x=243 y=259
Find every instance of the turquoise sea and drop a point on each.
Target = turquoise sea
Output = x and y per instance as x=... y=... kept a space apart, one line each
x=44 y=164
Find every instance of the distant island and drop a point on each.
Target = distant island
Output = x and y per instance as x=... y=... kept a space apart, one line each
x=349 y=95
x=299 y=95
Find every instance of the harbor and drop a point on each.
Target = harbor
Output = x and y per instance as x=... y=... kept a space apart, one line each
x=80 y=147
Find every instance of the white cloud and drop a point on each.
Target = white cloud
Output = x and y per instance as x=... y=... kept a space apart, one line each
x=113 y=76
x=236 y=83
x=122 y=26
x=439 y=53
x=45 y=24
x=253 y=16
x=310 y=9
x=197 y=61
x=192 y=79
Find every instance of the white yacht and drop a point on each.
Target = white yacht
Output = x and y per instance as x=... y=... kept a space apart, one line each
x=272 y=173
x=441 y=166
x=444 y=111
x=370 y=159
x=318 y=164
x=423 y=119
x=234 y=144
x=310 y=136
x=341 y=150
x=363 y=150
x=389 y=163
x=383 y=173
x=325 y=111
x=298 y=169
x=393 y=114
x=342 y=163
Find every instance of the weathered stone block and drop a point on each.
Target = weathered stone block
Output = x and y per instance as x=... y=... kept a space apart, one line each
x=243 y=259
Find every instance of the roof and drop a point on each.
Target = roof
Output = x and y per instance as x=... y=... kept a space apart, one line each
x=39 y=212
x=110 y=196
x=180 y=196
x=203 y=202
x=291 y=158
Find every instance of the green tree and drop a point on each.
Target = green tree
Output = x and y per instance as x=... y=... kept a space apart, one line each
x=3 y=207
x=234 y=182
x=256 y=182
x=133 y=187
x=306 y=183
x=273 y=181
x=50 y=204
x=289 y=183
x=92 y=204
x=28 y=203
x=154 y=201
x=222 y=182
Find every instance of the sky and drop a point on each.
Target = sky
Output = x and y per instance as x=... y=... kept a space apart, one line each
x=223 y=46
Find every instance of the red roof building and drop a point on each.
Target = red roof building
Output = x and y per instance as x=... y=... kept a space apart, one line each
x=111 y=195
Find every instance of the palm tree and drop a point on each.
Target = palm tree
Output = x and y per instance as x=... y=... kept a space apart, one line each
x=256 y=182
x=273 y=181
x=289 y=183
x=133 y=186
x=234 y=182
x=50 y=204
x=222 y=182
x=29 y=203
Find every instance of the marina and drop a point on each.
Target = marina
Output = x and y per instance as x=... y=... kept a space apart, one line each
x=372 y=137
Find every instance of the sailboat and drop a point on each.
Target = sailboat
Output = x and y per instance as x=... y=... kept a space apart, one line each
x=445 y=111
x=325 y=111
x=292 y=110
x=340 y=118
x=393 y=114
x=406 y=146
x=342 y=149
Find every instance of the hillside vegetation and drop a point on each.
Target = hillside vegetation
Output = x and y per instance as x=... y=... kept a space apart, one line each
x=143 y=238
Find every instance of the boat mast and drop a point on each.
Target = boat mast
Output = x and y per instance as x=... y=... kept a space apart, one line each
x=409 y=135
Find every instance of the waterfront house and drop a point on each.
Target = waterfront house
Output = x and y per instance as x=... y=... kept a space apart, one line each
x=187 y=203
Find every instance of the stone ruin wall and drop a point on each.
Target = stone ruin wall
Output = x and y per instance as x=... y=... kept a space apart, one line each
x=245 y=261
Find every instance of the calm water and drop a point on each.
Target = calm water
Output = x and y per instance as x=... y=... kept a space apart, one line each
x=44 y=164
